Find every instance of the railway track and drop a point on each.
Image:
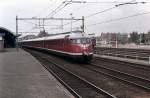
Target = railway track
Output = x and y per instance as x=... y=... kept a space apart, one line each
x=132 y=79
x=139 y=66
x=80 y=87
x=140 y=54
x=126 y=67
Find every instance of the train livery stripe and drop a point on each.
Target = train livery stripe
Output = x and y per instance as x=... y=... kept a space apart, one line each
x=69 y=53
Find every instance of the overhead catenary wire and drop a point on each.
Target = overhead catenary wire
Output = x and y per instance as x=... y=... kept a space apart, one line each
x=44 y=9
x=117 y=19
x=54 y=11
x=65 y=3
x=100 y=12
x=69 y=22
x=108 y=3
x=59 y=8
x=94 y=14
x=36 y=26
x=29 y=31
x=111 y=8
x=31 y=23
x=100 y=2
x=97 y=13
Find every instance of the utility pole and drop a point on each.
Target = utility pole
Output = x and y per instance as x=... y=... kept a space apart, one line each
x=71 y=21
x=43 y=25
x=17 y=33
x=140 y=38
x=83 y=26
x=116 y=40
x=62 y=24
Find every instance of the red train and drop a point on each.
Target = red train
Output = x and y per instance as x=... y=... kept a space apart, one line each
x=74 y=44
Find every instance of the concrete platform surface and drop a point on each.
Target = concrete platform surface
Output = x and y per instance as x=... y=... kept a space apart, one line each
x=136 y=61
x=22 y=76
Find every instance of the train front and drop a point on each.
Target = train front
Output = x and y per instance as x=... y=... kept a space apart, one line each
x=83 y=46
x=86 y=49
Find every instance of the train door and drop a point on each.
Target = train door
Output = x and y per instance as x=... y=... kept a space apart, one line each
x=66 y=44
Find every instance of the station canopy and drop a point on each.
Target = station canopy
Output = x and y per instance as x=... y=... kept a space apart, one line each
x=8 y=37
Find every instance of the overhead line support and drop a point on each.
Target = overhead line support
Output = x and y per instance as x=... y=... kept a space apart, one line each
x=48 y=19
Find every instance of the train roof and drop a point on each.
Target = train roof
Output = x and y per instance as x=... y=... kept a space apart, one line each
x=70 y=35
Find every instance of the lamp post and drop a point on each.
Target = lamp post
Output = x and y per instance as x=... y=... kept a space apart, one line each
x=71 y=21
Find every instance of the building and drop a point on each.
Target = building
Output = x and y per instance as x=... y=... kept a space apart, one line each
x=112 y=39
x=1 y=43
x=8 y=37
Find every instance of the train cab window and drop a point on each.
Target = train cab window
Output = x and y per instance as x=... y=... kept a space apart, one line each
x=80 y=41
x=85 y=40
x=73 y=41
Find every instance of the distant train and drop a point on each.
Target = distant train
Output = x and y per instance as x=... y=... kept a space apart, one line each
x=75 y=44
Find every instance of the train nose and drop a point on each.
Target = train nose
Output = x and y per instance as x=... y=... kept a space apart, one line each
x=85 y=49
x=85 y=53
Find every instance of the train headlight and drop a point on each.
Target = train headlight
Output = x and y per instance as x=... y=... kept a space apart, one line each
x=84 y=46
x=85 y=53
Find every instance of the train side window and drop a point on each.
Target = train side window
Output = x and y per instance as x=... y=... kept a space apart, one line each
x=73 y=41
x=78 y=41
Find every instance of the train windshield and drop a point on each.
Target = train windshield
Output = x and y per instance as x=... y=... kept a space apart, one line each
x=81 y=41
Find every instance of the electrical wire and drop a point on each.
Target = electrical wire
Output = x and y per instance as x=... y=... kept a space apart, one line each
x=117 y=19
x=65 y=3
x=59 y=8
x=106 y=10
x=44 y=9
x=70 y=23
x=54 y=10
x=31 y=23
x=109 y=9
x=29 y=31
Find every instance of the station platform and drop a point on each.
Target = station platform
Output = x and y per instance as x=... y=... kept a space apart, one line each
x=22 y=76
x=135 y=61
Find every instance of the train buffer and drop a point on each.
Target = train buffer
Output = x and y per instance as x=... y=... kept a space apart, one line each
x=22 y=76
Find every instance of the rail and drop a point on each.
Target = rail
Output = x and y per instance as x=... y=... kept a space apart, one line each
x=132 y=79
x=73 y=78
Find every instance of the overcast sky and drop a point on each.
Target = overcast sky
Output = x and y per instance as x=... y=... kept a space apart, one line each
x=41 y=8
